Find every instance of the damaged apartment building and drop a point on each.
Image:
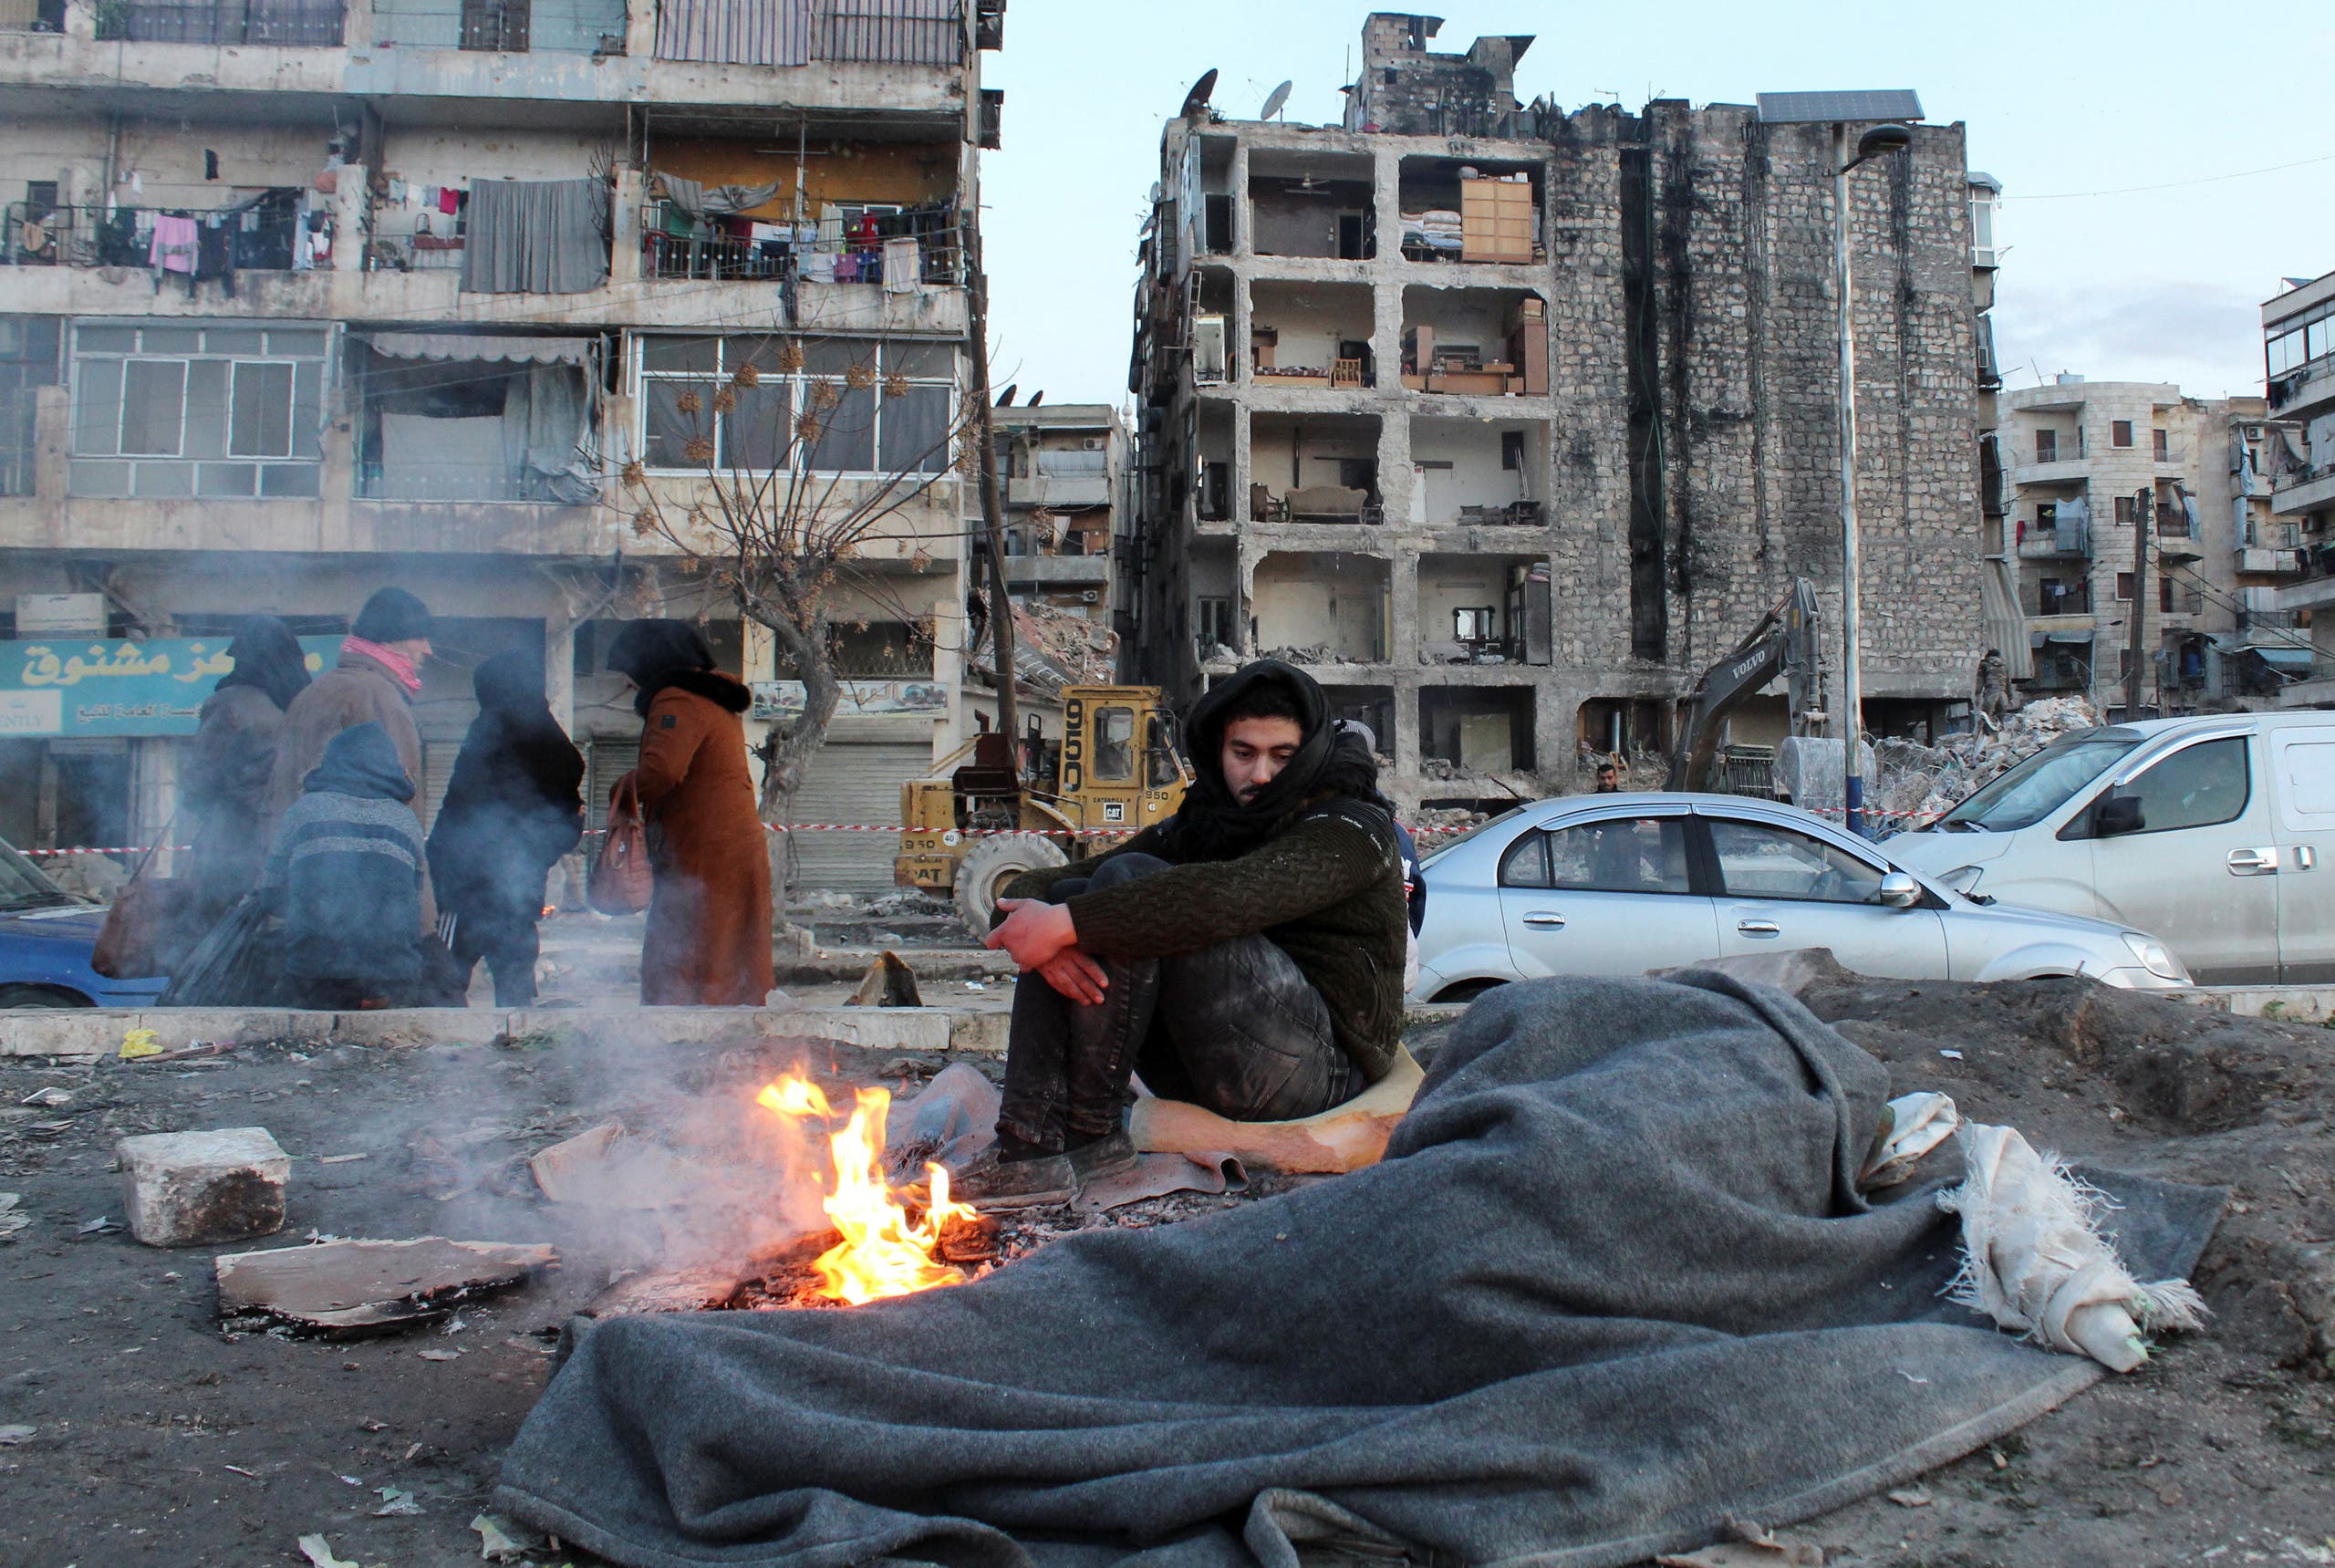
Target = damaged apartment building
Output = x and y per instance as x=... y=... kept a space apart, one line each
x=306 y=298
x=2082 y=464
x=1510 y=422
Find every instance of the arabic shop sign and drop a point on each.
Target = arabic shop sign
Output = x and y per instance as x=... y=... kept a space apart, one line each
x=73 y=686
x=777 y=700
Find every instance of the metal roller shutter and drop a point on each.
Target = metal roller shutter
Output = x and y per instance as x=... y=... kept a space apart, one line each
x=854 y=783
x=606 y=761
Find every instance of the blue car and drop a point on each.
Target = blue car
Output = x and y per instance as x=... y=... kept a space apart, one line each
x=46 y=937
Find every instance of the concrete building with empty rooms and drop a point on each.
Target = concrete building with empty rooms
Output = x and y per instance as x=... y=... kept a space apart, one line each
x=1510 y=421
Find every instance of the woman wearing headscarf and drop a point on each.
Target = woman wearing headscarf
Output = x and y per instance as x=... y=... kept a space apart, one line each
x=225 y=784
x=514 y=805
x=709 y=913
x=1246 y=954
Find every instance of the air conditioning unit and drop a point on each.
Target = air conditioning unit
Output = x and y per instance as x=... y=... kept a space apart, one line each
x=1092 y=443
x=1089 y=597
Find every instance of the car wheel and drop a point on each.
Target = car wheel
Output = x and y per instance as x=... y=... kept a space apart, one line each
x=1468 y=990
x=41 y=996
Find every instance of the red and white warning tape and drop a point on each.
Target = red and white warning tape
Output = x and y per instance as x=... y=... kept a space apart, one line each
x=116 y=849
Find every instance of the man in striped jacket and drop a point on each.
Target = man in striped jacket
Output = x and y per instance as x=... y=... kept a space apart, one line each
x=344 y=871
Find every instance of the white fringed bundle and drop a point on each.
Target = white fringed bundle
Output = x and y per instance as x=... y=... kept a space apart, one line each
x=2035 y=1261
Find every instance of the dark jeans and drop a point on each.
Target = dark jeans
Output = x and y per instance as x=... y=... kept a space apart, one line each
x=1235 y=1027
x=510 y=949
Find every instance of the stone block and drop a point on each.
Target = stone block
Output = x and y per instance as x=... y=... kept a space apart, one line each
x=195 y=1189
x=63 y=1032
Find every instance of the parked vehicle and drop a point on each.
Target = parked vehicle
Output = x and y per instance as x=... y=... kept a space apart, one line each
x=1621 y=884
x=46 y=935
x=2209 y=832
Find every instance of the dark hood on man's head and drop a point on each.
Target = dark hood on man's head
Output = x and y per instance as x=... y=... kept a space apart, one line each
x=267 y=657
x=361 y=761
x=1212 y=824
x=512 y=679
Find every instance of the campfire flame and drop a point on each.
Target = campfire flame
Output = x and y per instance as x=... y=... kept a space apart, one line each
x=883 y=1253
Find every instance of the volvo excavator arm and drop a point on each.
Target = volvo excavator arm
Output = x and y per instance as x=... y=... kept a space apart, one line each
x=1783 y=643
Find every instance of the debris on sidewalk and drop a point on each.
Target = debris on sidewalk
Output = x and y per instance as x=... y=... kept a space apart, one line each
x=348 y=1287
x=604 y=1166
x=499 y=1540
x=13 y=1218
x=138 y=1043
x=889 y=983
x=319 y=1553
x=196 y=1189
x=51 y=1095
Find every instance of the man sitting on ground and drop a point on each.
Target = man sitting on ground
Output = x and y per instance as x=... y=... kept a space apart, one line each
x=1245 y=955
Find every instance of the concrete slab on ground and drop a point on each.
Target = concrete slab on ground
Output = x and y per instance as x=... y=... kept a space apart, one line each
x=83 y=1033
x=2282 y=1003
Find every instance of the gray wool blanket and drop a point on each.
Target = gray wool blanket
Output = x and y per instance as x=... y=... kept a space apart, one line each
x=1613 y=1283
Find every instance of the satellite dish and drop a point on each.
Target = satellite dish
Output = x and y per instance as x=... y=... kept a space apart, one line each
x=1197 y=100
x=1156 y=192
x=1274 y=100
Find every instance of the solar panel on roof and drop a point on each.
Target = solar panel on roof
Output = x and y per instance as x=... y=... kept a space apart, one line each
x=1826 y=107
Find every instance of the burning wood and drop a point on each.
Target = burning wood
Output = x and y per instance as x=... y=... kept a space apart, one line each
x=883 y=1251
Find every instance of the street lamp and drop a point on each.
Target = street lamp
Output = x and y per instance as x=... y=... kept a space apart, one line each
x=1876 y=141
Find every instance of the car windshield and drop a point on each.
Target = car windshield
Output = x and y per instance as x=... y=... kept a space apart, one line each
x=2042 y=784
x=21 y=885
x=1454 y=841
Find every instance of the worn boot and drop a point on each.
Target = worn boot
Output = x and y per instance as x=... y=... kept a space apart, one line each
x=1035 y=1182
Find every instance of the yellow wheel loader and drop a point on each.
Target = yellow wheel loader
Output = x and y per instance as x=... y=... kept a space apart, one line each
x=980 y=820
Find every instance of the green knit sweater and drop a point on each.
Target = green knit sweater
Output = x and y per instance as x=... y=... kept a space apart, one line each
x=1324 y=890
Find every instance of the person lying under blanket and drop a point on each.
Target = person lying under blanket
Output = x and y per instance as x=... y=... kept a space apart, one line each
x=1246 y=954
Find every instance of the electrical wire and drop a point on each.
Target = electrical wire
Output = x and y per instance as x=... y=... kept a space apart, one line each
x=2173 y=184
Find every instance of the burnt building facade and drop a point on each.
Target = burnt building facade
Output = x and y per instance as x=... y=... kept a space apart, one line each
x=1512 y=433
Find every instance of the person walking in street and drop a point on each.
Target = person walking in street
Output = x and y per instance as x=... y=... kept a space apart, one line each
x=343 y=873
x=375 y=679
x=1246 y=954
x=709 y=913
x=225 y=784
x=514 y=805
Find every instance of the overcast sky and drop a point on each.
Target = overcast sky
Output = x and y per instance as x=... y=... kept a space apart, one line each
x=2071 y=106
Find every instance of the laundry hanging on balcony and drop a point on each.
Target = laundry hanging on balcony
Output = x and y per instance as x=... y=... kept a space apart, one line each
x=702 y=202
x=536 y=236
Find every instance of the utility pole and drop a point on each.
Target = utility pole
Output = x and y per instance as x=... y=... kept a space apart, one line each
x=1000 y=604
x=1852 y=630
x=2144 y=503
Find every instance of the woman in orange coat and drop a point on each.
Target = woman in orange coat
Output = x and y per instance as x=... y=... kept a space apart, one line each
x=709 y=917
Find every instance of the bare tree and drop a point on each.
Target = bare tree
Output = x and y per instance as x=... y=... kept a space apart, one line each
x=772 y=502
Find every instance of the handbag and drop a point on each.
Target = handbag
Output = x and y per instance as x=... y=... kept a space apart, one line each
x=620 y=881
x=146 y=931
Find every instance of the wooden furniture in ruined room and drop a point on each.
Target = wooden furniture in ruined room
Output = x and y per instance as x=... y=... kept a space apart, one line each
x=1496 y=220
x=1457 y=367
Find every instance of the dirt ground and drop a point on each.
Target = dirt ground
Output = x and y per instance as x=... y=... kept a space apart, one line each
x=158 y=1438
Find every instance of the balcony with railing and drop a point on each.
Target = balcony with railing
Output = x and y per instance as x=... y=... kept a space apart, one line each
x=2304 y=488
x=901 y=60
x=2055 y=537
x=2051 y=598
x=302 y=24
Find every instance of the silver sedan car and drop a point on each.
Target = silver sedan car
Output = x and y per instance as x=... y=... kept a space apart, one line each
x=1621 y=884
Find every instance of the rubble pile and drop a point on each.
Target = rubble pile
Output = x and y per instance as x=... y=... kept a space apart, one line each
x=1052 y=649
x=1914 y=783
x=1306 y=653
x=1446 y=821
